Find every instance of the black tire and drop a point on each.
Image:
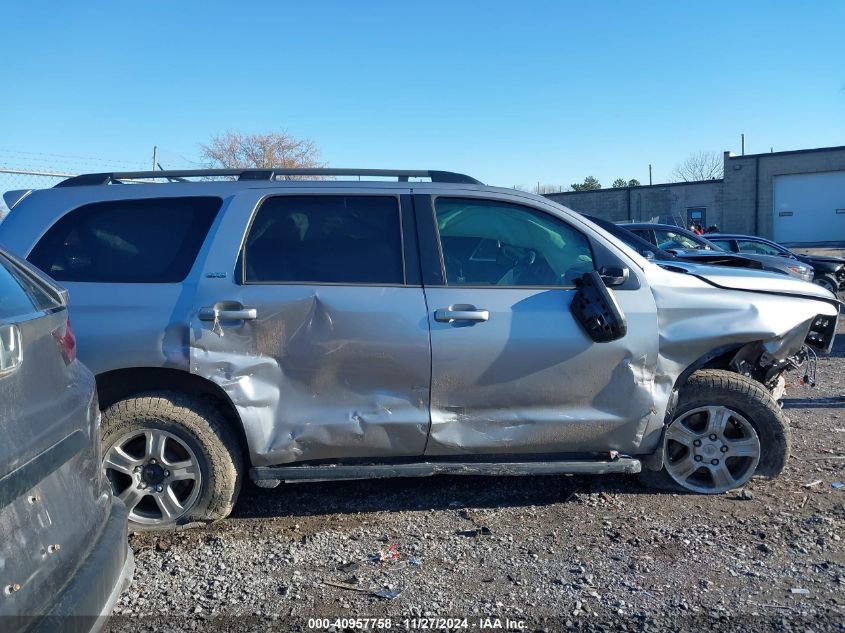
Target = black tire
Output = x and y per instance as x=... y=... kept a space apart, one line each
x=201 y=428
x=829 y=282
x=747 y=397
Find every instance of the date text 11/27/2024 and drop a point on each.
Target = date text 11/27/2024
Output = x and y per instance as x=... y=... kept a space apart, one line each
x=417 y=624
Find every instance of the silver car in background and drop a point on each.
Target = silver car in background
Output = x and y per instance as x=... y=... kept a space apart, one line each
x=258 y=323
x=64 y=556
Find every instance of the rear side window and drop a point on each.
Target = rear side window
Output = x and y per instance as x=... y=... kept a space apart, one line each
x=325 y=239
x=127 y=241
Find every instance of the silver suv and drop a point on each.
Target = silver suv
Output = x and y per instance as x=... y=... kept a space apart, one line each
x=260 y=323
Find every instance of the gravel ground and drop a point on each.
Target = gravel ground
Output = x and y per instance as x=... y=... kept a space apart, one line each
x=545 y=553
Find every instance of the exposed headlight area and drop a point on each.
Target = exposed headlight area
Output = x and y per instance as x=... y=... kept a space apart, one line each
x=822 y=332
x=801 y=271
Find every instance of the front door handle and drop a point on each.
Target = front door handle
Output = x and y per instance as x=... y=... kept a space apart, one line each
x=461 y=313
x=214 y=313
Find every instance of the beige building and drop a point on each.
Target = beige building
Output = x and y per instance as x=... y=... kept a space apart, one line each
x=795 y=197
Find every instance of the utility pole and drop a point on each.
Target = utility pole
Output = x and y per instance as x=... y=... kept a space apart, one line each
x=649 y=173
x=743 y=144
x=155 y=156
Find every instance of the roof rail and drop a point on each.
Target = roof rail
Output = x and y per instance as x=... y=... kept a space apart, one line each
x=273 y=173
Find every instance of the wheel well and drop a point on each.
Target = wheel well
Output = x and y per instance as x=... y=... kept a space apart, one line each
x=123 y=383
x=719 y=358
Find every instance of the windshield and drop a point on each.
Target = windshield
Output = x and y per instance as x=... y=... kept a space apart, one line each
x=675 y=239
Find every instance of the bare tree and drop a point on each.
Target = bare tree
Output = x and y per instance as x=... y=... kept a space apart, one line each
x=699 y=166
x=236 y=150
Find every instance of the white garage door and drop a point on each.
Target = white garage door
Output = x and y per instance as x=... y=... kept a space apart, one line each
x=810 y=208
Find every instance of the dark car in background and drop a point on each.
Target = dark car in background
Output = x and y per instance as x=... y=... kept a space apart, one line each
x=829 y=272
x=64 y=556
x=653 y=252
x=687 y=245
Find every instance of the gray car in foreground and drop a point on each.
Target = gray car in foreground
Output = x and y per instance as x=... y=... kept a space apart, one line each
x=257 y=323
x=64 y=557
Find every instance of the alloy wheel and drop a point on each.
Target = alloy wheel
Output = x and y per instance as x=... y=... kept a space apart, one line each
x=711 y=450
x=155 y=474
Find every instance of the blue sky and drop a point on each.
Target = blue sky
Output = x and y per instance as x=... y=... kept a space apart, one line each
x=512 y=93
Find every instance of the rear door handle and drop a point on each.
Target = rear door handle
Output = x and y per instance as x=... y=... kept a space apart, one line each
x=461 y=313
x=210 y=313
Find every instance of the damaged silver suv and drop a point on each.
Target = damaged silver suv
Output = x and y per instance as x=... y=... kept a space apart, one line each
x=260 y=323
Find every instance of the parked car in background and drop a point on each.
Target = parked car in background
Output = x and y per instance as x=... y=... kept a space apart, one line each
x=247 y=324
x=828 y=272
x=686 y=244
x=63 y=547
x=661 y=257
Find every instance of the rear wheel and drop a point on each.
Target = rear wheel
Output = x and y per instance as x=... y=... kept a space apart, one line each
x=727 y=428
x=171 y=460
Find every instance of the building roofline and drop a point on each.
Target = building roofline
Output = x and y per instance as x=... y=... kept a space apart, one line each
x=812 y=150
x=665 y=184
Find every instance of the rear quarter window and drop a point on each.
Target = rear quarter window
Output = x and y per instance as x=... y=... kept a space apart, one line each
x=151 y=240
x=21 y=295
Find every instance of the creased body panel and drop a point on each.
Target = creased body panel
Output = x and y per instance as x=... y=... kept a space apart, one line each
x=324 y=372
x=697 y=317
x=529 y=380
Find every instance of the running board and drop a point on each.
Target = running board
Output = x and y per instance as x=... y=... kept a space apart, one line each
x=272 y=476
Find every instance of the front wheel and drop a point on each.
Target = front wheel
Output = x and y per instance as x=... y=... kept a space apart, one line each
x=171 y=460
x=726 y=429
x=828 y=282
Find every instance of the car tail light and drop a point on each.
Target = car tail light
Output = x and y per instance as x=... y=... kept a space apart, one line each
x=67 y=342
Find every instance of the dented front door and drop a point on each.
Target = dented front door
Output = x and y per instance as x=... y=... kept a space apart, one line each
x=322 y=359
x=512 y=371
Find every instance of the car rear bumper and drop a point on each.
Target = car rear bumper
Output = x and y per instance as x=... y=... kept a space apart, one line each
x=85 y=603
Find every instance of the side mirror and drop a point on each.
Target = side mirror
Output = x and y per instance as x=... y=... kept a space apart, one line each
x=596 y=310
x=615 y=275
x=648 y=254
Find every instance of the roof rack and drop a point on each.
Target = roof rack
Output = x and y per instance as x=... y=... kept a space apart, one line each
x=402 y=175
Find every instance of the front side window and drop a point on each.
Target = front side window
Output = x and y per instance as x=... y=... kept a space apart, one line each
x=759 y=248
x=491 y=243
x=673 y=239
x=152 y=240
x=325 y=239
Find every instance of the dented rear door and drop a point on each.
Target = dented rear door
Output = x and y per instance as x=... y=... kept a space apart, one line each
x=311 y=316
x=512 y=371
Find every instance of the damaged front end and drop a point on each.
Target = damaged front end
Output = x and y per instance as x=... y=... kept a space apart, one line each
x=768 y=361
x=760 y=326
